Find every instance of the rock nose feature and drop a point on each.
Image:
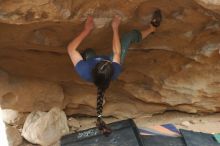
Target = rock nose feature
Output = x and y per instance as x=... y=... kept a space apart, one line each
x=176 y=68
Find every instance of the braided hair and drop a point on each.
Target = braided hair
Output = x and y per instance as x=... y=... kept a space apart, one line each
x=102 y=74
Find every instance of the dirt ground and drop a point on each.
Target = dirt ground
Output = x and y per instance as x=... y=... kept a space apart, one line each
x=208 y=123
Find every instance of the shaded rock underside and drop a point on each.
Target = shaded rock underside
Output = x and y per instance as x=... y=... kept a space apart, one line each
x=177 y=68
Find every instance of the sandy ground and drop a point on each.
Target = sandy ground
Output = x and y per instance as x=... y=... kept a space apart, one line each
x=200 y=123
x=208 y=123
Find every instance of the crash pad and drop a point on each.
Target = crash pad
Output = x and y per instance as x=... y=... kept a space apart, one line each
x=198 y=138
x=124 y=133
x=159 y=140
x=217 y=137
x=164 y=130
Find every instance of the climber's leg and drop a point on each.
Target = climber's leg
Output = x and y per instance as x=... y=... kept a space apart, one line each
x=155 y=22
x=133 y=36
x=127 y=39
x=146 y=32
x=136 y=36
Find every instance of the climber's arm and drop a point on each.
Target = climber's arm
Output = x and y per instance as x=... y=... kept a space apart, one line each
x=116 y=45
x=73 y=53
x=73 y=45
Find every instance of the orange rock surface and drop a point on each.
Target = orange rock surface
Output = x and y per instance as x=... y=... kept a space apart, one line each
x=177 y=68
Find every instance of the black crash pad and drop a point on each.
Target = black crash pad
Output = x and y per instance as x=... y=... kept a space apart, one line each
x=158 y=140
x=124 y=133
x=198 y=138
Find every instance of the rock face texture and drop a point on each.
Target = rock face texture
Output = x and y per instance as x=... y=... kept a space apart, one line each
x=29 y=94
x=13 y=136
x=176 y=68
x=213 y=5
x=12 y=117
x=45 y=128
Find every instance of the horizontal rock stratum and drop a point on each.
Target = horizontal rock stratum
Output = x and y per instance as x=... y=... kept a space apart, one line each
x=176 y=68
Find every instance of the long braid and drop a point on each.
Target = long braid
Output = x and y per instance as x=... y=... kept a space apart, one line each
x=102 y=74
x=100 y=99
x=100 y=123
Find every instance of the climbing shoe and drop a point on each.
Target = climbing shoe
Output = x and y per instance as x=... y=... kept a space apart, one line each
x=157 y=18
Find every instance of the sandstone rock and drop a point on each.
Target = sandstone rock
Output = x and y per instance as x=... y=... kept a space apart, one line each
x=73 y=123
x=79 y=101
x=209 y=49
x=28 y=94
x=194 y=121
x=185 y=123
x=210 y=4
x=119 y=103
x=14 y=136
x=45 y=128
x=13 y=117
x=26 y=143
x=196 y=87
x=4 y=87
x=56 y=144
x=177 y=68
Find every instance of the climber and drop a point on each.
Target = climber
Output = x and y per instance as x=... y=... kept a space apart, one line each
x=100 y=70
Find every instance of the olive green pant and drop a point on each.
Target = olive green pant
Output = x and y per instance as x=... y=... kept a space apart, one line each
x=127 y=39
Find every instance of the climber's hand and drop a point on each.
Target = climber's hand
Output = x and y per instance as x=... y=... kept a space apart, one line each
x=89 y=24
x=116 y=21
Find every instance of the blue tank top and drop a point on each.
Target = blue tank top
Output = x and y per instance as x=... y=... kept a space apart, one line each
x=84 y=67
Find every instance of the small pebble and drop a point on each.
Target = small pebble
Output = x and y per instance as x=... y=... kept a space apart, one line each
x=73 y=123
x=193 y=121
x=185 y=123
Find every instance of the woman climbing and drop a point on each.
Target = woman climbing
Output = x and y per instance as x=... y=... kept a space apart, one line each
x=100 y=70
